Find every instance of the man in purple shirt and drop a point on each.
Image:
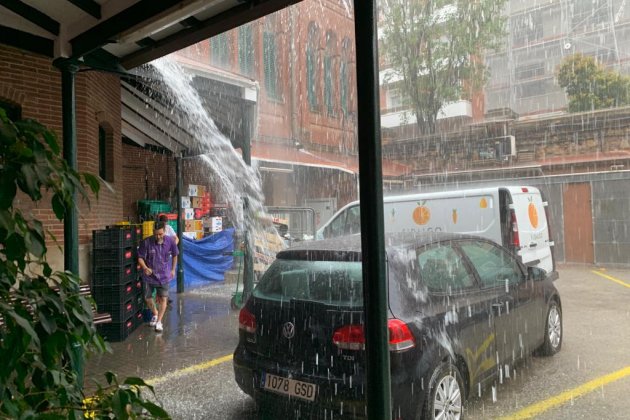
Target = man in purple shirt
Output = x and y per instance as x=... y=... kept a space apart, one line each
x=157 y=256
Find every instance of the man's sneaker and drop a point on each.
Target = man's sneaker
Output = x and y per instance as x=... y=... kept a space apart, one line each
x=158 y=327
x=153 y=321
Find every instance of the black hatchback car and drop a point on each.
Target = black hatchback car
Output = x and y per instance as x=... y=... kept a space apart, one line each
x=462 y=312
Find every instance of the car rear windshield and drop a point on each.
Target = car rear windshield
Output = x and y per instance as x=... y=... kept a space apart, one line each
x=329 y=282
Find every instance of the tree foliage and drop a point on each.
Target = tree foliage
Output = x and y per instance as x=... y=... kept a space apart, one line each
x=437 y=48
x=590 y=86
x=44 y=319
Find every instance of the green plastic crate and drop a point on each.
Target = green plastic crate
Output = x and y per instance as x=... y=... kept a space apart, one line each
x=152 y=207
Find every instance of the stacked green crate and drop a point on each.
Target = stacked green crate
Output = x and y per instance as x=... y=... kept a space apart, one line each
x=149 y=209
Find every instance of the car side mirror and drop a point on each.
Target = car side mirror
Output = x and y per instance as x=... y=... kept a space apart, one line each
x=536 y=274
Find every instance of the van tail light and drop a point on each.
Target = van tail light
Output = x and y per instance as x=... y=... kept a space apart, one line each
x=246 y=321
x=516 y=242
x=352 y=337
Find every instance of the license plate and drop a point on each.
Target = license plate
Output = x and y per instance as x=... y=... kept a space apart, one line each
x=290 y=387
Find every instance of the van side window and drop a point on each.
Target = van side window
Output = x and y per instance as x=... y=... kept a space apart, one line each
x=442 y=270
x=493 y=265
x=353 y=220
x=336 y=227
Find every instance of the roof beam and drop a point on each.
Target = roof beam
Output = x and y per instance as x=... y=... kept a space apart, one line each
x=25 y=41
x=88 y=6
x=32 y=15
x=106 y=31
x=232 y=18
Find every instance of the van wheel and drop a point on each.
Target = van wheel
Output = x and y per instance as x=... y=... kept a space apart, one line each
x=446 y=394
x=553 y=331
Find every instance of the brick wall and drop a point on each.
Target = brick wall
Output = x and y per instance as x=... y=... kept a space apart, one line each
x=31 y=81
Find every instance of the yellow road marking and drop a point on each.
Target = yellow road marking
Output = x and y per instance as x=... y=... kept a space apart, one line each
x=190 y=369
x=566 y=396
x=606 y=276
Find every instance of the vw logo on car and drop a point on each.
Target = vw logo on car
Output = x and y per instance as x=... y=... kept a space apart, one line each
x=288 y=330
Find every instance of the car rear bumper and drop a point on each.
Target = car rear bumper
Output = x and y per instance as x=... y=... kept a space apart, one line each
x=336 y=398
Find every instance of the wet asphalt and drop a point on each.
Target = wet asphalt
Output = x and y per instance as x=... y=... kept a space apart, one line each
x=201 y=327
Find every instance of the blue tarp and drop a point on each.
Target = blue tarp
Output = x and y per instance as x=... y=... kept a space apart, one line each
x=207 y=259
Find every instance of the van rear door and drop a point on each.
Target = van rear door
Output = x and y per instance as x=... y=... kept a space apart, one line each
x=531 y=227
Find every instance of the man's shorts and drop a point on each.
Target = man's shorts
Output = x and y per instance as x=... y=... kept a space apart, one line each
x=160 y=290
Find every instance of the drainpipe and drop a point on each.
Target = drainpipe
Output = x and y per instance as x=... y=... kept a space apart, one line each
x=371 y=196
x=180 y=224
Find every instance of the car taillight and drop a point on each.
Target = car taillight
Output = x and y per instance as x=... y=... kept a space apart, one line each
x=352 y=337
x=400 y=337
x=246 y=321
x=349 y=337
x=516 y=242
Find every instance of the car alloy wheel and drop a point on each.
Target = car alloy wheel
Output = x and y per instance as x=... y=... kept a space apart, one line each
x=446 y=398
x=447 y=402
x=553 y=331
x=554 y=326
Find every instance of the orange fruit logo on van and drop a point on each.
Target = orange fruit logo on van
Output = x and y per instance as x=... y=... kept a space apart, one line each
x=483 y=203
x=454 y=215
x=421 y=214
x=533 y=214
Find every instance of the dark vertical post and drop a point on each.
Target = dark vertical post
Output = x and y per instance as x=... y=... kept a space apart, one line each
x=371 y=196
x=180 y=224
x=70 y=221
x=248 y=263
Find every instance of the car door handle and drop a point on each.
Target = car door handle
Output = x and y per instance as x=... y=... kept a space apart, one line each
x=533 y=244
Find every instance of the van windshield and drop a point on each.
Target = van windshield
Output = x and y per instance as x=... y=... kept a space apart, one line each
x=329 y=282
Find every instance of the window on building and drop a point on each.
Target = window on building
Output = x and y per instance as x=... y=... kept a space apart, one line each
x=393 y=98
x=105 y=153
x=13 y=111
x=220 y=50
x=535 y=88
x=270 y=58
x=530 y=71
x=246 y=50
x=527 y=27
x=588 y=13
x=312 y=66
x=329 y=76
x=344 y=76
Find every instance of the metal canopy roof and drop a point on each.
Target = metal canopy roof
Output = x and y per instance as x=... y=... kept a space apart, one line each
x=108 y=33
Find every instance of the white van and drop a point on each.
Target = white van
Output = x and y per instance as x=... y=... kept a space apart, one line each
x=515 y=217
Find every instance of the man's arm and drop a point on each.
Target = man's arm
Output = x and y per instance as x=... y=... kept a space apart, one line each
x=173 y=266
x=144 y=267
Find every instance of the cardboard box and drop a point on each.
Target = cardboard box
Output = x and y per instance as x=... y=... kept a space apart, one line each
x=215 y=224
x=199 y=235
x=186 y=204
x=201 y=190
x=190 y=235
x=196 y=202
x=198 y=225
x=189 y=214
x=192 y=190
x=189 y=226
